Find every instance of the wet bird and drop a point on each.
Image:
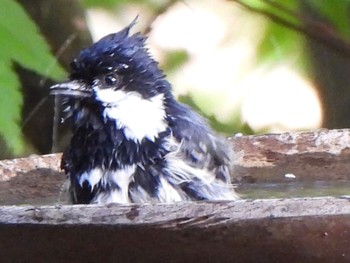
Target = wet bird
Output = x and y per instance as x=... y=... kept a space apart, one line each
x=132 y=141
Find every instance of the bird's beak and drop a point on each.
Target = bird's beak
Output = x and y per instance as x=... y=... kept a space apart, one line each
x=71 y=88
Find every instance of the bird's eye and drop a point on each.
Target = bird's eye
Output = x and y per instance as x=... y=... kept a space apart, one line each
x=111 y=79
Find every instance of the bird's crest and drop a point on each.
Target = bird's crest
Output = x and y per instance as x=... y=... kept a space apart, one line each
x=116 y=48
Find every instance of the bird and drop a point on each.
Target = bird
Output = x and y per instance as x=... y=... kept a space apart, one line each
x=132 y=141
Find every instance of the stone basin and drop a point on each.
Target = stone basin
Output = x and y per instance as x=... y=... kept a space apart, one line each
x=311 y=223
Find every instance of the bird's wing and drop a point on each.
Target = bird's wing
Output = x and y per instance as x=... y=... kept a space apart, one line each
x=200 y=146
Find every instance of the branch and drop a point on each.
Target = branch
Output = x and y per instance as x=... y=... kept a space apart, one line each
x=320 y=32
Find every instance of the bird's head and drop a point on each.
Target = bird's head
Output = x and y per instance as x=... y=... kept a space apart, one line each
x=118 y=76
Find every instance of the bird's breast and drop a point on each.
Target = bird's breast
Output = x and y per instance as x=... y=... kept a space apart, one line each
x=140 y=118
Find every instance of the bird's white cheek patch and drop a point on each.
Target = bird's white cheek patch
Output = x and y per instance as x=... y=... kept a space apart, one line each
x=140 y=118
x=109 y=96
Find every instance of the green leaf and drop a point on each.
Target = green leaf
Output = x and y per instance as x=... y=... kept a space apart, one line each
x=10 y=108
x=278 y=44
x=282 y=9
x=21 y=41
x=256 y=3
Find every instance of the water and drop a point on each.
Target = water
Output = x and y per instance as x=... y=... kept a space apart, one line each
x=294 y=189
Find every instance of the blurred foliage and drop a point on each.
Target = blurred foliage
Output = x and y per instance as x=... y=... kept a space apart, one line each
x=278 y=43
x=235 y=125
x=112 y=4
x=106 y=3
x=336 y=12
x=315 y=36
x=174 y=60
x=281 y=44
x=21 y=43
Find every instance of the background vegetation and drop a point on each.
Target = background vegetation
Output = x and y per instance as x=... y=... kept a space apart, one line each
x=37 y=42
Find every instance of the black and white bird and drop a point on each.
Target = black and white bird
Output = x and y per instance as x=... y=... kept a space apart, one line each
x=132 y=141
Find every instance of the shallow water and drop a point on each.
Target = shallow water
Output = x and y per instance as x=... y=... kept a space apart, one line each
x=246 y=191
x=294 y=189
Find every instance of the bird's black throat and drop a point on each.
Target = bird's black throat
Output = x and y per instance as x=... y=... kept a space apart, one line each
x=98 y=143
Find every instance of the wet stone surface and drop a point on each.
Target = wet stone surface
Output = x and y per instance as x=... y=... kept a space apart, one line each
x=302 y=159
x=305 y=229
